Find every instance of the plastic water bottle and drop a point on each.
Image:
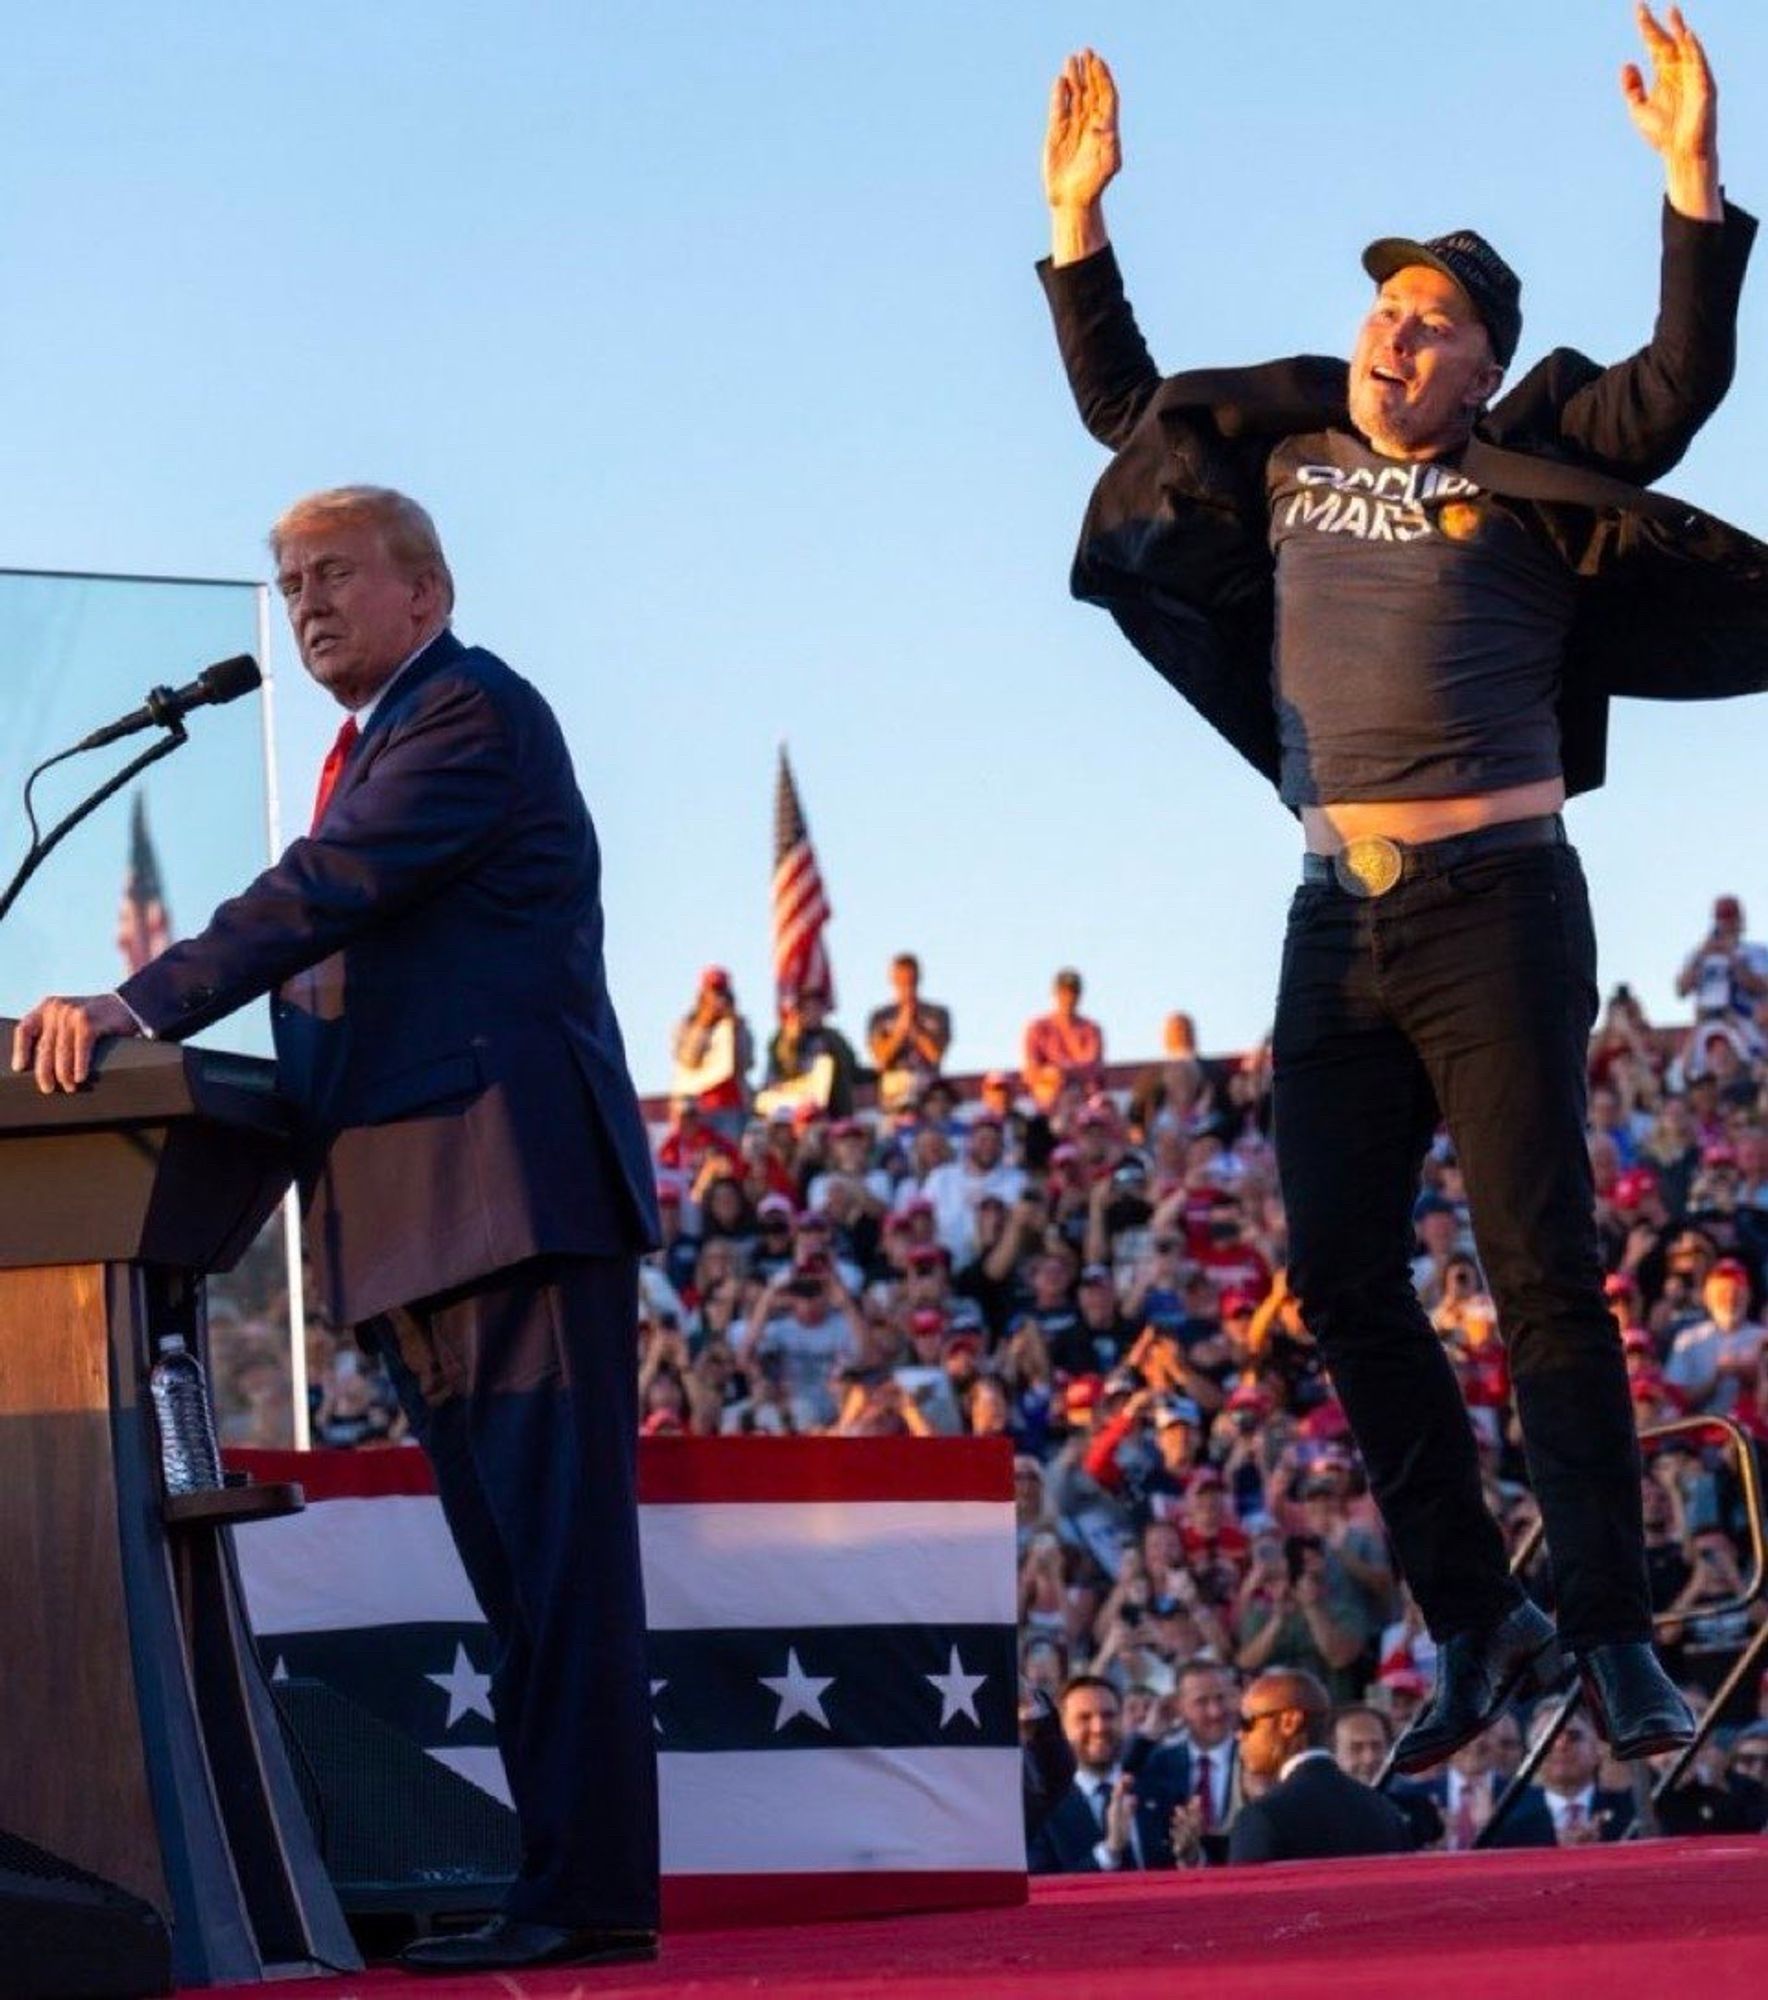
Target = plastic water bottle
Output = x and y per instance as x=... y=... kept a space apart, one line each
x=190 y=1458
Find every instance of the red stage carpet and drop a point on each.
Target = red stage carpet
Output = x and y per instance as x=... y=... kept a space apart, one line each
x=1676 y=1920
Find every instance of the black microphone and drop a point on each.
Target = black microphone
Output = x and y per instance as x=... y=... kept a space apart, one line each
x=226 y=680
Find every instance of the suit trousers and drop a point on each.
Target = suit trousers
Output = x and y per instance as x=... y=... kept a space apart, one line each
x=1466 y=992
x=522 y=1389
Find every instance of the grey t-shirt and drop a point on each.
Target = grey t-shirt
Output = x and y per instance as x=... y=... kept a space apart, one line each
x=1420 y=629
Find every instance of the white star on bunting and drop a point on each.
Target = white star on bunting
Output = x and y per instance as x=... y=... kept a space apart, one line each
x=957 y=1692
x=657 y=1688
x=468 y=1690
x=800 y=1693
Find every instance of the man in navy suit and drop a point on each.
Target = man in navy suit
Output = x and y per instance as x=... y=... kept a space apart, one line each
x=1566 y=1807
x=1109 y=1819
x=474 y=1168
x=1312 y=1810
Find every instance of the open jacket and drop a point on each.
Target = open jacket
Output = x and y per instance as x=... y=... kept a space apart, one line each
x=1672 y=604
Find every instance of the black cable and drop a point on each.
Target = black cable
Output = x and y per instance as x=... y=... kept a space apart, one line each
x=42 y=846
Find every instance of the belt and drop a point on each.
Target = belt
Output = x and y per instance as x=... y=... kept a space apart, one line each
x=1373 y=864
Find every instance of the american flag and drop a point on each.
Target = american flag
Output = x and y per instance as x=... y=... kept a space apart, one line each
x=144 y=924
x=833 y=1677
x=800 y=908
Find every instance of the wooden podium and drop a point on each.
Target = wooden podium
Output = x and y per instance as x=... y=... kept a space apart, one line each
x=138 y=1738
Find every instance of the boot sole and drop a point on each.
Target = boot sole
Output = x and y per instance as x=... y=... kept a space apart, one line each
x=1542 y=1673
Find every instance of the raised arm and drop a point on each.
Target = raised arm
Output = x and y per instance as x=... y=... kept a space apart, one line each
x=1638 y=418
x=1108 y=364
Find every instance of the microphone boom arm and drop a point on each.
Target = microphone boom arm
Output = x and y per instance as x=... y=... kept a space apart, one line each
x=42 y=845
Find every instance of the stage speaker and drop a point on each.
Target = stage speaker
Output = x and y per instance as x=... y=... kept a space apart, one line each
x=67 y=1935
x=399 y=1833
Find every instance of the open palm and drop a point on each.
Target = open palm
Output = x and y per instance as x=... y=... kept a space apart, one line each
x=1677 y=115
x=1081 y=150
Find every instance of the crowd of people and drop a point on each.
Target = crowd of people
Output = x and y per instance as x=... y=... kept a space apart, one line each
x=1097 y=1273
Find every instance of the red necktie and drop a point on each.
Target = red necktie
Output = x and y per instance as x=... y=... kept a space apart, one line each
x=333 y=768
x=1205 y=1795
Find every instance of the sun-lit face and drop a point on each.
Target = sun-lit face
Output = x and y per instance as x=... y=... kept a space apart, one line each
x=1205 y=1704
x=1092 y=1719
x=1422 y=367
x=356 y=614
x=1360 y=1744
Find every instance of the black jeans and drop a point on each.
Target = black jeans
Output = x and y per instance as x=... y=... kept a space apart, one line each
x=1465 y=993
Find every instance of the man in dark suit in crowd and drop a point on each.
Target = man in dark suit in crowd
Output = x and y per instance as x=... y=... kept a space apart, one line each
x=1362 y=1737
x=474 y=1168
x=1107 y=1820
x=1313 y=1810
x=1200 y=1763
x=1566 y=1807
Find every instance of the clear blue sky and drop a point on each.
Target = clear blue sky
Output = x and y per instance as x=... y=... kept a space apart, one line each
x=710 y=336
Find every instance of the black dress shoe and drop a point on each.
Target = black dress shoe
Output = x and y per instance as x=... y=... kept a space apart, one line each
x=1477 y=1675
x=508 y=1945
x=1635 y=1703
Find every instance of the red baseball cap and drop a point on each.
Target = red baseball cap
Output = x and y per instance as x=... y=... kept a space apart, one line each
x=1637 y=1184
x=716 y=976
x=1082 y=1394
x=1730 y=1267
x=1249 y=1396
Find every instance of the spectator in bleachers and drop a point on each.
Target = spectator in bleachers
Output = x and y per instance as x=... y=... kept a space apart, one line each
x=1725 y=974
x=1711 y=1627
x=713 y=1053
x=1302 y=1613
x=1566 y=1807
x=809 y=1060
x=908 y=1036
x=1712 y=1360
x=957 y=1186
x=802 y=1327
x=1063 y=1048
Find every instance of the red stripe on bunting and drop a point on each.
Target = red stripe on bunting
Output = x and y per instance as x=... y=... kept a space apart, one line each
x=719 y=1902
x=678 y=1471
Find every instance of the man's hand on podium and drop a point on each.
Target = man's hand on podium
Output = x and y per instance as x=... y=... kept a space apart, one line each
x=57 y=1037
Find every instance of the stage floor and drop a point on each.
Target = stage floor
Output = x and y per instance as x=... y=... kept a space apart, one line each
x=1655 y=1918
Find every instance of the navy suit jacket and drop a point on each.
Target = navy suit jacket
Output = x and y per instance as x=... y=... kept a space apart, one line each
x=1529 y=1823
x=442 y=1020
x=1064 y=1844
x=1315 y=1813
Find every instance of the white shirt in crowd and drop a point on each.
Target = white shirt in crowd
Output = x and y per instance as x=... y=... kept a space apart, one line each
x=954 y=1190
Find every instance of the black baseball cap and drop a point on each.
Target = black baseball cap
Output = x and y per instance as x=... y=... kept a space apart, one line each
x=1466 y=259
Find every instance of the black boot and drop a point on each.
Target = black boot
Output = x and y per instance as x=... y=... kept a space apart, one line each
x=1478 y=1674
x=508 y=1945
x=1634 y=1702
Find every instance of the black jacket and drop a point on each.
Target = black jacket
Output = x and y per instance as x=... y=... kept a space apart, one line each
x=1672 y=604
x=1318 y=1813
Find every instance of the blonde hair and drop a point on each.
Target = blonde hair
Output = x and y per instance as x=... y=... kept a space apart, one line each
x=406 y=529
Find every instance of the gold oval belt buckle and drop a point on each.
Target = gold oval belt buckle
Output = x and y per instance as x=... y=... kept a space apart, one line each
x=1369 y=866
